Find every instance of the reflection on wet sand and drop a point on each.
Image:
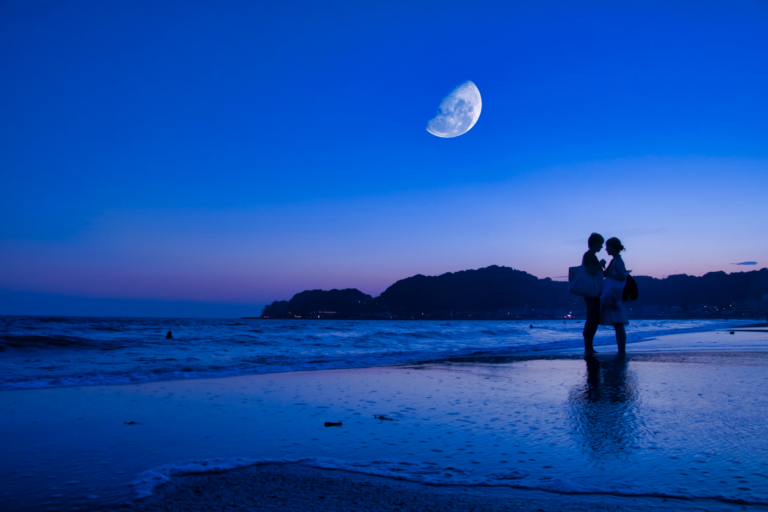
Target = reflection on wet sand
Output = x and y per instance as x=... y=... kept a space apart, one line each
x=604 y=410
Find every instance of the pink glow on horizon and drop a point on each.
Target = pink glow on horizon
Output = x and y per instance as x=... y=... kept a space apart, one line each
x=369 y=243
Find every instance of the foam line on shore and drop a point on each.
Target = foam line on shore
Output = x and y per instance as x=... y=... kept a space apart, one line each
x=422 y=473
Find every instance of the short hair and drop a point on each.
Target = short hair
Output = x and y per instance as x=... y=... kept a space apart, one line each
x=616 y=244
x=594 y=239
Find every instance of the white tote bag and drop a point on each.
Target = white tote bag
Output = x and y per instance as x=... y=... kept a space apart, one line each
x=583 y=284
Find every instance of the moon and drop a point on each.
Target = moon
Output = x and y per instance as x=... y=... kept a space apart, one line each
x=458 y=112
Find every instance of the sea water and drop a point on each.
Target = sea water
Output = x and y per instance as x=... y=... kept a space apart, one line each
x=39 y=352
x=500 y=407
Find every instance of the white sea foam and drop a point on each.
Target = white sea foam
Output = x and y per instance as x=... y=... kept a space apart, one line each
x=424 y=473
x=43 y=353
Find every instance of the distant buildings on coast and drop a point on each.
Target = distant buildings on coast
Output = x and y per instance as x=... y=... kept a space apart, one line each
x=736 y=309
x=733 y=309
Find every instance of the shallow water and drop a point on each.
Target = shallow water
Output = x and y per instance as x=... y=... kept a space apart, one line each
x=37 y=352
x=664 y=424
x=478 y=409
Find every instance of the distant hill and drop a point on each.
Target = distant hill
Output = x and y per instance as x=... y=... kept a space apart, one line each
x=716 y=288
x=340 y=303
x=503 y=292
x=486 y=289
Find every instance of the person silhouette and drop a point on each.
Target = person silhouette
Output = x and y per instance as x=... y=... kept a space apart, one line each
x=612 y=310
x=592 y=266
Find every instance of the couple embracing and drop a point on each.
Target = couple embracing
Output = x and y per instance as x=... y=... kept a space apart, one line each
x=604 y=297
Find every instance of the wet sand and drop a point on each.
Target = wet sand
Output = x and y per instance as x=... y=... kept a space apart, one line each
x=549 y=432
x=293 y=488
x=289 y=487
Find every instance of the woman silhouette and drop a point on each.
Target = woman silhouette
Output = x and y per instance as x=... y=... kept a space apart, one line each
x=612 y=311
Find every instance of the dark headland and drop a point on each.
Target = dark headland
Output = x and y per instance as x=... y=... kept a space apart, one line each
x=505 y=293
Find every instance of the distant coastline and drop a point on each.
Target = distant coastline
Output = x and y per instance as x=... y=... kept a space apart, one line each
x=503 y=293
x=578 y=316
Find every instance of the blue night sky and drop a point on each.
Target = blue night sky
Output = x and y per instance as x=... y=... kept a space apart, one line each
x=205 y=158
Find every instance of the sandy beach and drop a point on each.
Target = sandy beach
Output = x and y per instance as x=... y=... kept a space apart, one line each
x=549 y=431
x=289 y=488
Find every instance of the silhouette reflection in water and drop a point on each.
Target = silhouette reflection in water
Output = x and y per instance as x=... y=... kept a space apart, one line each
x=603 y=410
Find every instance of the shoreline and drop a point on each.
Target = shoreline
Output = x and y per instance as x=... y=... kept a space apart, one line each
x=293 y=487
x=459 y=431
x=577 y=320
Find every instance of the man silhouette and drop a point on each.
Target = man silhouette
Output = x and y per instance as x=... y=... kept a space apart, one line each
x=592 y=266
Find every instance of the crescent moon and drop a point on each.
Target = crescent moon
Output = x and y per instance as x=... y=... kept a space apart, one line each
x=458 y=112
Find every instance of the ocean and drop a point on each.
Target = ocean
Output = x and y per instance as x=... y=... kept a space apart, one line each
x=44 y=352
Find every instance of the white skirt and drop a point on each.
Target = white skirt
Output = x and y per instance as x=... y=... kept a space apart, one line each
x=612 y=310
x=610 y=315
